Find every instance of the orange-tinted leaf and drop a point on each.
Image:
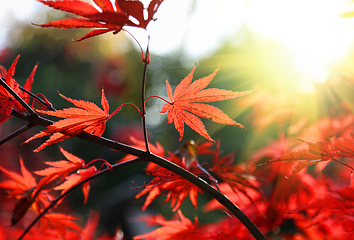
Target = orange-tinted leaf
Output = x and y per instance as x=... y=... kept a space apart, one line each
x=187 y=100
x=301 y=165
x=106 y=19
x=317 y=152
x=86 y=117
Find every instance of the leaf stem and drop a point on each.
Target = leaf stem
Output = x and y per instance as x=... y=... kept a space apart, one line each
x=41 y=101
x=157 y=97
x=114 y=166
x=118 y=109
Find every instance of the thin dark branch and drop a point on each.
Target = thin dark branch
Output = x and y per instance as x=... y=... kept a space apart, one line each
x=143 y=96
x=18 y=98
x=146 y=156
x=16 y=133
x=114 y=166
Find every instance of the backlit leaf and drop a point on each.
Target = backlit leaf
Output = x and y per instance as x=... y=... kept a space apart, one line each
x=188 y=99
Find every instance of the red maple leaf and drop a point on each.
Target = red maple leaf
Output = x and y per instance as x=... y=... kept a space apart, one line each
x=182 y=229
x=7 y=101
x=187 y=100
x=318 y=152
x=23 y=187
x=86 y=117
x=75 y=178
x=108 y=18
x=60 y=168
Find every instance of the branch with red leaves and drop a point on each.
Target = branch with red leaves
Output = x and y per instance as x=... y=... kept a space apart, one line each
x=146 y=156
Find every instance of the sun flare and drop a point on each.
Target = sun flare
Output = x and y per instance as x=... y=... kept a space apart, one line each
x=311 y=30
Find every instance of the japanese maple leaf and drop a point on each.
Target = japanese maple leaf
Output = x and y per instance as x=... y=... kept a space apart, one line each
x=75 y=178
x=107 y=18
x=188 y=99
x=7 y=101
x=60 y=168
x=18 y=183
x=175 y=229
x=318 y=152
x=87 y=117
x=24 y=188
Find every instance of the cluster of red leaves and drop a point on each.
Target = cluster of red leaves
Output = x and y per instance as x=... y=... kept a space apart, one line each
x=36 y=196
x=165 y=182
x=7 y=101
x=109 y=17
x=307 y=206
x=310 y=207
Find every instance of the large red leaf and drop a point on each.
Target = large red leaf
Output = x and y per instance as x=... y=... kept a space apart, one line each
x=86 y=117
x=106 y=19
x=187 y=100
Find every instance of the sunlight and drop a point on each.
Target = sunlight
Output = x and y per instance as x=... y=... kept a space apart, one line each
x=312 y=30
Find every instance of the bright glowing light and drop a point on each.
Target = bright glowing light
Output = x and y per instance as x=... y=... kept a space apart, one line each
x=311 y=29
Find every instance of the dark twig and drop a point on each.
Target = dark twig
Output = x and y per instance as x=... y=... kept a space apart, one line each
x=143 y=96
x=16 y=133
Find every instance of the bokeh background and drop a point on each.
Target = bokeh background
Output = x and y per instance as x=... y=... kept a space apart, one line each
x=297 y=55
